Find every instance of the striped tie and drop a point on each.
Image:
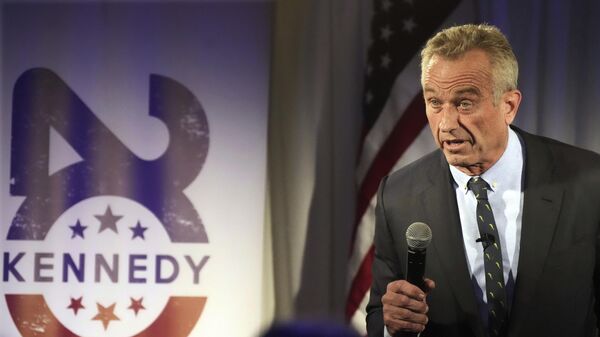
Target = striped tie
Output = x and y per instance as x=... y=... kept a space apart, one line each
x=494 y=272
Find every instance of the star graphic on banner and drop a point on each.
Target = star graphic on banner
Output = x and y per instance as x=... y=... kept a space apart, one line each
x=76 y=304
x=136 y=305
x=106 y=314
x=108 y=220
x=77 y=230
x=138 y=231
x=408 y=25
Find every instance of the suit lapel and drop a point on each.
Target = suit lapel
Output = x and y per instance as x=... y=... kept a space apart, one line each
x=541 y=206
x=439 y=201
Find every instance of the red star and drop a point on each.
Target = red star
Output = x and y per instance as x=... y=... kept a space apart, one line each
x=76 y=304
x=106 y=314
x=108 y=220
x=136 y=305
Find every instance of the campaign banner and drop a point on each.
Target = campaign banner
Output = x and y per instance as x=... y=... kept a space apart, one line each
x=133 y=167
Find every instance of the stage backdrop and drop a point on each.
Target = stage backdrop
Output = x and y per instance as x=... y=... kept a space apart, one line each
x=132 y=170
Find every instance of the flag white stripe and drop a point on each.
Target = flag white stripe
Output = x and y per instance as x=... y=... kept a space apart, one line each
x=360 y=316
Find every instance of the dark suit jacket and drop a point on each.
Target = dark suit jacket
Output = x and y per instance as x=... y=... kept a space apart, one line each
x=558 y=275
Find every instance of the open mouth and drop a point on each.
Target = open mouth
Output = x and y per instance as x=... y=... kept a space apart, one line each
x=453 y=144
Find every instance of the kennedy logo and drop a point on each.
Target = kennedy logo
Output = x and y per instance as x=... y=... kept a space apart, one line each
x=108 y=245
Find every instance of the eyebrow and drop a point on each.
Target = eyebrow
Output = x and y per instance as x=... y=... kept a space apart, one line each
x=467 y=90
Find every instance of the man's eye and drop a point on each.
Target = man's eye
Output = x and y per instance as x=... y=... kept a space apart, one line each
x=465 y=105
x=434 y=103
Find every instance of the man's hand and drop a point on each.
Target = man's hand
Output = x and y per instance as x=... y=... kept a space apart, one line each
x=404 y=306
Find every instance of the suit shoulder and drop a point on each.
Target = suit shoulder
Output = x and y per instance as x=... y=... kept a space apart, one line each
x=571 y=156
x=411 y=177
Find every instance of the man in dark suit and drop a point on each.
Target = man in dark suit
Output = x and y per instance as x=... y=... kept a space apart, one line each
x=514 y=216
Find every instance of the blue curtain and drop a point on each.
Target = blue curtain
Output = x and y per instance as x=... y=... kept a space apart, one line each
x=558 y=47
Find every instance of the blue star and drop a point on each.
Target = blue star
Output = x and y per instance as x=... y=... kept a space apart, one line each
x=77 y=230
x=138 y=231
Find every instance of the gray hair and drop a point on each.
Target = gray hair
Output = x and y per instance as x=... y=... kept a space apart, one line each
x=455 y=41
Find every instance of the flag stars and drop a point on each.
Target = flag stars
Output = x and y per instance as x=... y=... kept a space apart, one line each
x=386 y=61
x=108 y=220
x=386 y=33
x=386 y=5
x=106 y=314
x=138 y=231
x=77 y=230
x=136 y=305
x=408 y=25
x=368 y=97
x=76 y=305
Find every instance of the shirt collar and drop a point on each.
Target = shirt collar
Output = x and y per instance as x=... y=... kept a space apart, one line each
x=511 y=161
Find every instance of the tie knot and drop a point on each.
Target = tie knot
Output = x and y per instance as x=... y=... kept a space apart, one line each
x=479 y=187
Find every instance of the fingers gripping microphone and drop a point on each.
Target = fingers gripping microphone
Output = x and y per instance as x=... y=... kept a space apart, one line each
x=418 y=237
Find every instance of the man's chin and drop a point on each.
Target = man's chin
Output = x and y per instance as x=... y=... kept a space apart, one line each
x=457 y=159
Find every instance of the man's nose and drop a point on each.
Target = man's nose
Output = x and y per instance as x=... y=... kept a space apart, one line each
x=449 y=118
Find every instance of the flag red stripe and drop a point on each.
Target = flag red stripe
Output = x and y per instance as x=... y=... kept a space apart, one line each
x=360 y=284
x=405 y=131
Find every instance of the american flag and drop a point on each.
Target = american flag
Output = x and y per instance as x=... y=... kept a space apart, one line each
x=394 y=132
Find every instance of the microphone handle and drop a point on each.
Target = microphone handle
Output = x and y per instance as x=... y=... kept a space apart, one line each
x=415 y=270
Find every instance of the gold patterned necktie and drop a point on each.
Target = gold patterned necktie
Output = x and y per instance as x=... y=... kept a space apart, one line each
x=494 y=272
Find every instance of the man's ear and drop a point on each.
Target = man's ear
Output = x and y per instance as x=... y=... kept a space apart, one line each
x=510 y=105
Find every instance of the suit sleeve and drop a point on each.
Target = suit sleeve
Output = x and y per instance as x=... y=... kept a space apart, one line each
x=385 y=268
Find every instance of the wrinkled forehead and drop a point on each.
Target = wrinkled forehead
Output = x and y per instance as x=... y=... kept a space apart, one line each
x=470 y=71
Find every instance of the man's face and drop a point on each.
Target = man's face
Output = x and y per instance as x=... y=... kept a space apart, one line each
x=471 y=131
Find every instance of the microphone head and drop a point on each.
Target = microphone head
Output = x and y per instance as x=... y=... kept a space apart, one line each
x=418 y=236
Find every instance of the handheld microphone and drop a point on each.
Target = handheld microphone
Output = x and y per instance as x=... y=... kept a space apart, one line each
x=418 y=237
